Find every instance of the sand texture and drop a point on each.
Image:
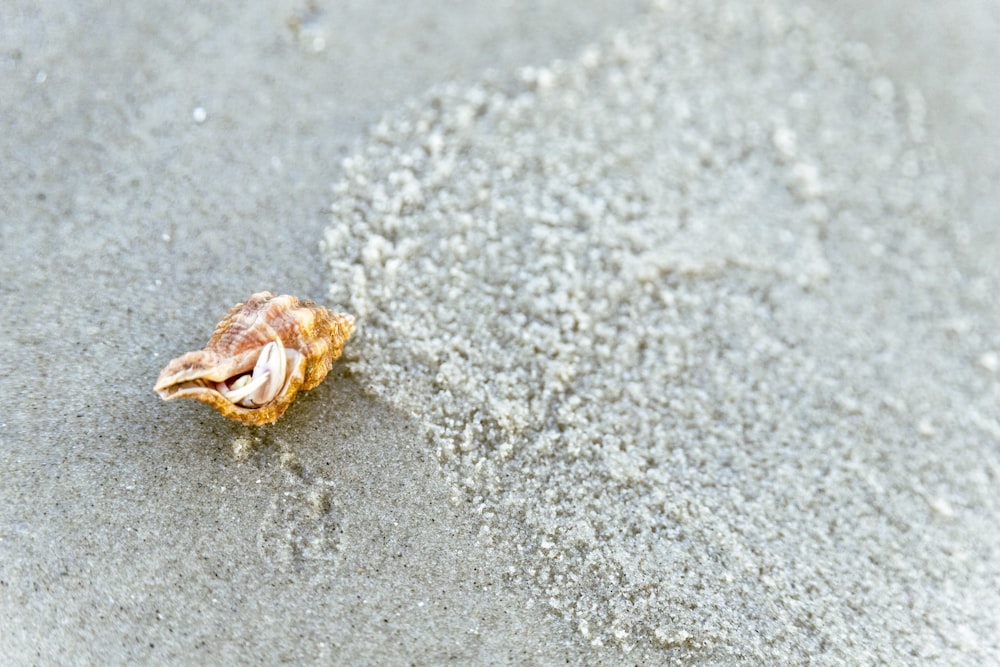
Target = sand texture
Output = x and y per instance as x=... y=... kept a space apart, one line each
x=651 y=323
x=677 y=333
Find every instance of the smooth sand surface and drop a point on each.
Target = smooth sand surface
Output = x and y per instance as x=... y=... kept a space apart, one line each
x=751 y=415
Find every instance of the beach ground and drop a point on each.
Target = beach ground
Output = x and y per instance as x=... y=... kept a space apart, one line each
x=158 y=166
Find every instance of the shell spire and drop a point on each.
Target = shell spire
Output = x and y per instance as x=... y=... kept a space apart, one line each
x=261 y=354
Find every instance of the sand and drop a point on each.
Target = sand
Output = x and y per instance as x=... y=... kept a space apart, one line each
x=677 y=335
x=650 y=321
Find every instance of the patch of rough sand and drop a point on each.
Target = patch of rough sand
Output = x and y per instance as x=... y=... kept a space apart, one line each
x=686 y=321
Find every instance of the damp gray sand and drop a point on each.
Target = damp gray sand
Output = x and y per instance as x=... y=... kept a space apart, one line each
x=683 y=322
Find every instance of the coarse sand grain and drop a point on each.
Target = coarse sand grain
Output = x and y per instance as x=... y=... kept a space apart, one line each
x=686 y=322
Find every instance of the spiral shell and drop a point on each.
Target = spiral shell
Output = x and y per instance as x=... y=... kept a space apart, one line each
x=261 y=354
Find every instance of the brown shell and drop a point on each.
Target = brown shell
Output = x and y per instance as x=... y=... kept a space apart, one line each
x=307 y=336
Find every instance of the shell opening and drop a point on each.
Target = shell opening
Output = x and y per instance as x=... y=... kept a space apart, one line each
x=261 y=385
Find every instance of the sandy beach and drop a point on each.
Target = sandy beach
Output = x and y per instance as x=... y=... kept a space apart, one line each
x=677 y=333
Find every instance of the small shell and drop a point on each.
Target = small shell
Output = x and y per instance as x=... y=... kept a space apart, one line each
x=262 y=352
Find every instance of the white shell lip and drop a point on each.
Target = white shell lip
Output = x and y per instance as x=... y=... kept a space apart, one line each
x=264 y=383
x=270 y=369
x=199 y=371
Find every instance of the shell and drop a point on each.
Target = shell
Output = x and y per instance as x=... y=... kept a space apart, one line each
x=261 y=354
